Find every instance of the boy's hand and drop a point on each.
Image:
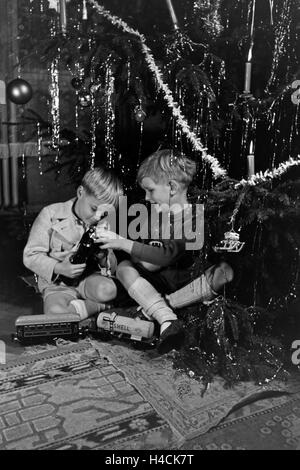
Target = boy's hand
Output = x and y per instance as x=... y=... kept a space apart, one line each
x=67 y=269
x=109 y=239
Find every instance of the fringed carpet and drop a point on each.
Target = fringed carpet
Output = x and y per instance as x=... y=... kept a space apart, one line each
x=74 y=398
x=182 y=401
x=260 y=426
x=108 y=396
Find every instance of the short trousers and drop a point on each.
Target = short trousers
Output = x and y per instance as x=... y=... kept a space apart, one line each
x=77 y=292
x=165 y=283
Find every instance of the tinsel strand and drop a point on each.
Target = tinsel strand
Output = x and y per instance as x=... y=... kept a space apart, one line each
x=109 y=115
x=269 y=175
x=55 y=108
x=93 y=132
x=281 y=33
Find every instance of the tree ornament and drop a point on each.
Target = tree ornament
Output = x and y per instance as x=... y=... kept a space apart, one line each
x=77 y=83
x=296 y=95
x=230 y=244
x=84 y=99
x=139 y=114
x=94 y=87
x=19 y=91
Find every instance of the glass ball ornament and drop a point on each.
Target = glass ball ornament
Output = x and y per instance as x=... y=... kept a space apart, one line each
x=296 y=97
x=139 y=114
x=77 y=83
x=19 y=91
x=84 y=99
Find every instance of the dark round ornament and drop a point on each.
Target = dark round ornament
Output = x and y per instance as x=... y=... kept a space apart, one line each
x=84 y=99
x=77 y=83
x=19 y=91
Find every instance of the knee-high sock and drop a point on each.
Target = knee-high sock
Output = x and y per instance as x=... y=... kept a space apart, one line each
x=87 y=308
x=151 y=301
x=197 y=291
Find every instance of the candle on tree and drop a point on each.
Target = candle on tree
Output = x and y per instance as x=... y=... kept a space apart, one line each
x=248 y=74
x=84 y=11
x=63 y=16
x=172 y=13
x=248 y=70
x=251 y=160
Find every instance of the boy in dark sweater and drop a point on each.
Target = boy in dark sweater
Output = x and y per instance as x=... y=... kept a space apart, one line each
x=162 y=262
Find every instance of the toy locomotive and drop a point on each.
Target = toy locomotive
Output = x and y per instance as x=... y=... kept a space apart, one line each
x=115 y=323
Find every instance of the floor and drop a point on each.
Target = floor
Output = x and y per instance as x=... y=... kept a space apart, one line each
x=15 y=297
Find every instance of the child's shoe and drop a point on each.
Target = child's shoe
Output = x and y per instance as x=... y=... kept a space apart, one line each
x=171 y=338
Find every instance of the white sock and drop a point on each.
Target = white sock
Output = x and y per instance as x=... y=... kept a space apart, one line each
x=197 y=291
x=87 y=308
x=151 y=301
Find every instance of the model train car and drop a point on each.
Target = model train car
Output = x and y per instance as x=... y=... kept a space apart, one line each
x=38 y=327
x=115 y=323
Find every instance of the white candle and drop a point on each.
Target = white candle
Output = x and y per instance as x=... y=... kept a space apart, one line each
x=172 y=13
x=248 y=74
x=251 y=166
x=63 y=15
x=251 y=160
x=84 y=11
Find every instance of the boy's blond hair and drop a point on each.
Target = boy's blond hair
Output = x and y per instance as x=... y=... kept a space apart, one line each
x=166 y=165
x=103 y=185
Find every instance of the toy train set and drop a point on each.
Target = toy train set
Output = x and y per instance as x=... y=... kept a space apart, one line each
x=108 y=325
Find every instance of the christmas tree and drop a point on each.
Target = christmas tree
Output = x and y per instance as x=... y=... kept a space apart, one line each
x=217 y=80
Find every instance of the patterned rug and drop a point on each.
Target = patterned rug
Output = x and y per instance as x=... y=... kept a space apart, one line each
x=272 y=428
x=180 y=400
x=96 y=395
x=74 y=398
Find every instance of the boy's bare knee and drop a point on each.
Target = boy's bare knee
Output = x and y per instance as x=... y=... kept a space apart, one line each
x=106 y=292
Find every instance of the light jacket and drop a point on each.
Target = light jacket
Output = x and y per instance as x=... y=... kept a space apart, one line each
x=54 y=235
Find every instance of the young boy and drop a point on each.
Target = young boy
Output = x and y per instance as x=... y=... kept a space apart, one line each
x=162 y=265
x=54 y=237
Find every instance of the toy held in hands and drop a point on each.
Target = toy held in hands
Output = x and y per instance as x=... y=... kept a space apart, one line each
x=88 y=252
x=85 y=247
